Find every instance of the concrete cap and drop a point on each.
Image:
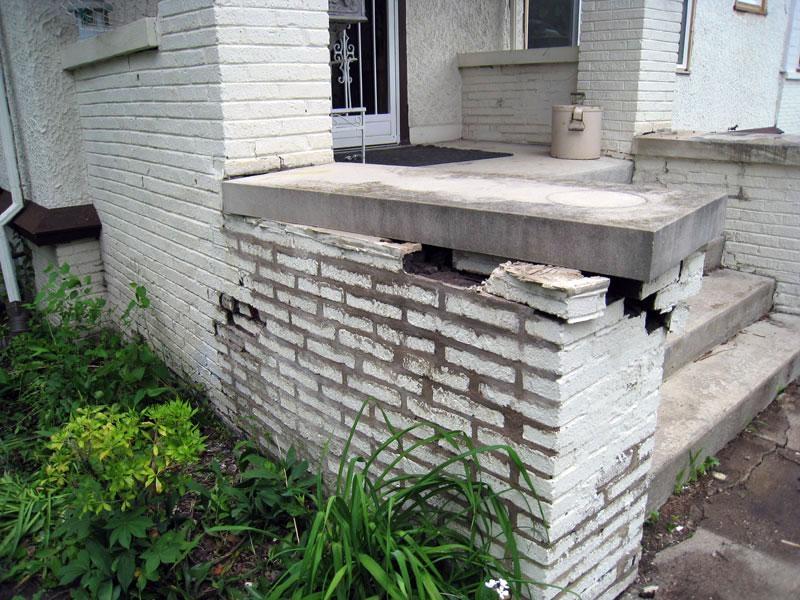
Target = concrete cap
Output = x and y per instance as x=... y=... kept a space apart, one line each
x=613 y=229
x=737 y=147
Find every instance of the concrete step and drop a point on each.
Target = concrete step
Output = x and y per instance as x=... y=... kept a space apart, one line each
x=710 y=401
x=728 y=302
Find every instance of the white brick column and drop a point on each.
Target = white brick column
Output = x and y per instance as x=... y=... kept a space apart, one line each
x=275 y=84
x=626 y=65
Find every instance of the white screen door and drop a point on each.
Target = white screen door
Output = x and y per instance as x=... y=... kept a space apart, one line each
x=378 y=92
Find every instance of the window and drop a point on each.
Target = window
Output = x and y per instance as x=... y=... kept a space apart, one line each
x=685 y=43
x=758 y=7
x=552 y=23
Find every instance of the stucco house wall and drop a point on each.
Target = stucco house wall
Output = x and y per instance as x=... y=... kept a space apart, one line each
x=789 y=112
x=437 y=31
x=734 y=68
x=44 y=112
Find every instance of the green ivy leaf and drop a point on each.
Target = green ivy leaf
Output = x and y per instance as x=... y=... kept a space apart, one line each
x=106 y=590
x=72 y=570
x=168 y=549
x=125 y=525
x=125 y=567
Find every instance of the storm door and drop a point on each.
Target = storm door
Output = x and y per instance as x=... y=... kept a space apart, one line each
x=373 y=44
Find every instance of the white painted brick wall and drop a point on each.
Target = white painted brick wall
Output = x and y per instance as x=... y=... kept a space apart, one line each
x=626 y=65
x=762 y=227
x=85 y=260
x=276 y=93
x=577 y=402
x=236 y=86
x=512 y=103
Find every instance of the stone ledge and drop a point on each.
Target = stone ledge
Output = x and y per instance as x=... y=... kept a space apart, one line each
x=534 y=56
x=133 y=37
x=616 y=230
x=755 y=148
x=49 y=226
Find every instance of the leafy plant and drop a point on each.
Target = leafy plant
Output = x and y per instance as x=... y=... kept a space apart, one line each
x=70 y=359
x=264 y=494
x=104 y=555
x=652 y=518
x=385 y=534
x=112 y=458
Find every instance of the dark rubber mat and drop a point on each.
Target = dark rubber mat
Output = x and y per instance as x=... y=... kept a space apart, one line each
x=416 y=156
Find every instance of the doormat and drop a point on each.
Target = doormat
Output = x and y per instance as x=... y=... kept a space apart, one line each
x=416 y=156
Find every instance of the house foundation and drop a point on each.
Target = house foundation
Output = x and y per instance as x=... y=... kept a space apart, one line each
x=323 y=321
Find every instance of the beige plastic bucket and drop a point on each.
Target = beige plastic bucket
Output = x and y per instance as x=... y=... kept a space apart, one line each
x=576 y=131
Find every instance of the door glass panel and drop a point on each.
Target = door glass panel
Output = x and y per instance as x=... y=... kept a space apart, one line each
x=374 y=63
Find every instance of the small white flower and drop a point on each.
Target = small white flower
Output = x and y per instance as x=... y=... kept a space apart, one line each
x=248 y=584
x=501 y=587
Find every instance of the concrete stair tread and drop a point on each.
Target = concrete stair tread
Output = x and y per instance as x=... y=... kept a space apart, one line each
x=710 y=401
x=728 y=302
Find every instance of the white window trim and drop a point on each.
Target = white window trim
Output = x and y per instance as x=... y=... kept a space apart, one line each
x=791 y=69
x=683 y=67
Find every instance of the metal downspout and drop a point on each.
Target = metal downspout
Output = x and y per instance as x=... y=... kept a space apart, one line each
x=17 y=320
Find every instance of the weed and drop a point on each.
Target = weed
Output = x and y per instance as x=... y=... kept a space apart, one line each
x=696 y=470
x=673 y=524
x=652 y=519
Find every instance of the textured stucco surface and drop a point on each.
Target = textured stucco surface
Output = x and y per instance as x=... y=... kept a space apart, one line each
x=737 y=56
x=43 y=104
x=437 y=30
x=44 y=109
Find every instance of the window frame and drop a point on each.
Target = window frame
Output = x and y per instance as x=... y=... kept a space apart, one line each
x=576 y=32
x=749 y=7
x=683 y=66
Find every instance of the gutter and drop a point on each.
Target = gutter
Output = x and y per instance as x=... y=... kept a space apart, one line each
x=17 y=319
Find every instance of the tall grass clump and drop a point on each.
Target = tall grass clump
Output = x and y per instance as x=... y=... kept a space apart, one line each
x=383 y=533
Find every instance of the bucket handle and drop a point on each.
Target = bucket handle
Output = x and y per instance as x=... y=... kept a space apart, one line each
x=576 y=119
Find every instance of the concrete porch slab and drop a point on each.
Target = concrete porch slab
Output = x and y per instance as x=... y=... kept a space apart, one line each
x=613 y=229
x=533 y=161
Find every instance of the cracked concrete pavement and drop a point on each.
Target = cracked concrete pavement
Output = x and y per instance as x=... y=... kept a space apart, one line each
x=741 y=539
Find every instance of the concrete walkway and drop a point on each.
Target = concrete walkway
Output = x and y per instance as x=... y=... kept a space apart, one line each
x=736 y=534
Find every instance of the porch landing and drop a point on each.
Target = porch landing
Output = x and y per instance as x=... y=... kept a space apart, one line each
x=610 y=229
x=533 y=161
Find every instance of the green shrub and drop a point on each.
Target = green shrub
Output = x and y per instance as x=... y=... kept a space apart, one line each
x=274 y=496
x=69 y=359
x=110 y=458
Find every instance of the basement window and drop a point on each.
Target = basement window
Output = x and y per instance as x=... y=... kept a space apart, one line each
x=552 y=23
